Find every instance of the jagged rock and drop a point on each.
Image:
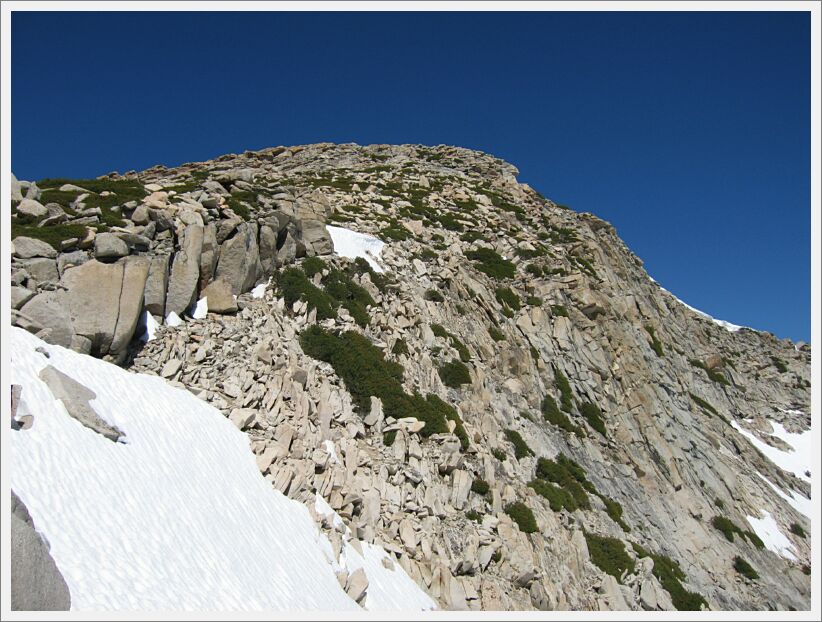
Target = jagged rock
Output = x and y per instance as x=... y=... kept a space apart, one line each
x=26 y=248
x=208 y=256
x=135 y=273
x=19 y=296
x=154 y=295
x=42 y=270
x=316 y=238
x=220 y=298
x=239 y=263
x=287 y=251
x=356 y=585
x=48 y=312
x=32 y=209
x=109 y=246
x=185 y=271
x=69 y=260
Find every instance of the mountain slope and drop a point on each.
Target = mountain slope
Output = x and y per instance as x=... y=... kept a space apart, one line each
x=511 y=352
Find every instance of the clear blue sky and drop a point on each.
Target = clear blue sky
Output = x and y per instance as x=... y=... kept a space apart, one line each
x=690 y=132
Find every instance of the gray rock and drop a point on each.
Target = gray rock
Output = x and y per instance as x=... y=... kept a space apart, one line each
x=357 y=585
x=239 y=262
x=316 y=238
x=75 y=398
x=185 y=271
x=154 y=296
x=36 y=582
x=16 y=194
x=140 y=215
x=135 y=273
x=288 y=251
x=25 y=248
x=42 y=270
x=268 y=249
x=70 y=260
x=208 y=256
x=31 y=208
x=49 y=311
x=94 y=301
x=109 y=246
x=220 y=298
x=20 y=296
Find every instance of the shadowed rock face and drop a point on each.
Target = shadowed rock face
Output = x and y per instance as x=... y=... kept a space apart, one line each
x=36 y=582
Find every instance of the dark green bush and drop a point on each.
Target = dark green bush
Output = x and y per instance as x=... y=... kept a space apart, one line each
x=552 y=414
x=50 y=235
x=670 y=576
x=614 y=511
x=797 y=530
x=474 y=516
x=496 y=334
x=712 y=373
x=491 y=263
x=389 y=437
x=454 y=374
x=434 y=296
x=567 y=475
x=564 y=390
x=559 y=310
x=558 y=498
x=533 y=269
x=400 y=347
x=534 y=301
x=703 y=404
x=347 y=293
x=744 y=568
x=498 y=454
x=609 y=555
x=312 y=265
x=522 y=516
x=593 y=415
x=521 y=449
x=726 y=526
x=480 y=486
x=459 y=346
x=779 y=364
x=508 y=298
x=294 y=286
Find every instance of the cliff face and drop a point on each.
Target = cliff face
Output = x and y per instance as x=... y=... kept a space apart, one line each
x=530 y=421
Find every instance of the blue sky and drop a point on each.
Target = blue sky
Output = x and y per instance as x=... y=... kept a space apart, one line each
x=689 y=132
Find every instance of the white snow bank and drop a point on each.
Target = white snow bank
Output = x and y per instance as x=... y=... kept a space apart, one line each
x=179 y=518
x=774 y=540
x=148 y=326
x=259 y=290
x=797 y=501
x=797 y=461
x=200 y=310
x=351 y=244
x=726 y=325
x=172 y=319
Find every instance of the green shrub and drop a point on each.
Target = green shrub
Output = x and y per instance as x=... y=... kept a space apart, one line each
x=497 y=557
x=347 y=293
x=719 y=503
x=593 y=415
x=508 y=298
x=703 y=404
x=609 y=555
x=552 y=414
x=797 y=530
x=312 y=266
x=474 y=516
x=754 y=539
x=712 y=373
x=459 y=346
x=656 y=344
x=472 y=236
x=744 y=568
x=522 y=516
x=496 y=334
x=533 y=269
x=498 y=454
x=52 y=235
x=670 y=576
x=559 y=310
x=564 y=390
x=726 y=526
x=568 y=475
x=395 y=232
x=779 y=364
x=389 y=437
x=434 y=296
x=480 y=486
x=558 y=498
x=534 y=301
x=521 y=449
x=365 y=372
x=400 y=347
x=614 y=511
x=491 y=263
x=294 y=286
x=454 y=374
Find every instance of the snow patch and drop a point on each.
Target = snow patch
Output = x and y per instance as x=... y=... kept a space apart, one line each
x=351 y=244
x=797 y=461
x=797 y=501
x=178 y=519
x=768 y=531
x=259 y=290
x=726 y=325
x=149 y=327
x=333 y=457
x=200 y=310
x=172 y=319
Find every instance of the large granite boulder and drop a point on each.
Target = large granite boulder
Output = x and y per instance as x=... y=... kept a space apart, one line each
x=185 y=271
x=239 y=263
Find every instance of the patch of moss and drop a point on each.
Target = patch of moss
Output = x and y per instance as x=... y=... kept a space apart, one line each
x=480 y=486
x=400 y=347
x=434 y=296
x=498 y=454
x=559 y=310
x=52 y=235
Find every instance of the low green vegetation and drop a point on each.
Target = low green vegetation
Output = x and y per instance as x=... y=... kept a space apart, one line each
x=400 y=347
x=744 y=568
x=534 y=269
x=312 y=266
x=454 y=374
x=593 y=415
x=498 y=454
x=656 y=344
x=491 y=263
x=434 y=296
x=480 y=486
x=713 y=374
x=780 y=365
x=496 y=334
x=609 y=555
x=459 y=346
x=670 y=576
x=570 y=477
x=729 y=528
x=707 y=407
x=559 y=310
x=474 y=516
x=52 y=235
x=521 y=449
x=534 y=301
x=522 y=516
x=552 y=414
x=365 y=372
x=509 y=300
x=798 y=530
x=565 y=395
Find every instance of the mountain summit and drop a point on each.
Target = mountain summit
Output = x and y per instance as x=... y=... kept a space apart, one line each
x=481 y=396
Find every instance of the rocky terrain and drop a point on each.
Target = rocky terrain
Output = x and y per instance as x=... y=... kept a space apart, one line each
x=502 y=398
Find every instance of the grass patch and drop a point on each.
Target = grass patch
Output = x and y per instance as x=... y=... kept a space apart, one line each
x=454 y=374
x=312 y=266
x=522 y=516
x=499 y=454
x=559 y=310
x=491 y=263
x=496 y=334
x=474 y=516
x=534 y=301
x=609 y=555
x=508 y=299
x=400 y=347
x=52 y=235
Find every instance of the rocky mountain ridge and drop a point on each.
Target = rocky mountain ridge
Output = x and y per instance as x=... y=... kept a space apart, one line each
x=502 y=398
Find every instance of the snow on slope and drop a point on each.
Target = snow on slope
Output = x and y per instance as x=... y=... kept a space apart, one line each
x=797 y=461
x=726 y=325
x=797 y=501
x=351 y=244
x=774 y=540
x=178 y=517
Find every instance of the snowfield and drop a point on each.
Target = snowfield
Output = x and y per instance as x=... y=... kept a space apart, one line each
x=774 y=540
x=178 y=517
x=726 y=325
x=797 y=461
x=351 y=244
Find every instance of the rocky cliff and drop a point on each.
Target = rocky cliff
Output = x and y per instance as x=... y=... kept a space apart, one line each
x=501 y=397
